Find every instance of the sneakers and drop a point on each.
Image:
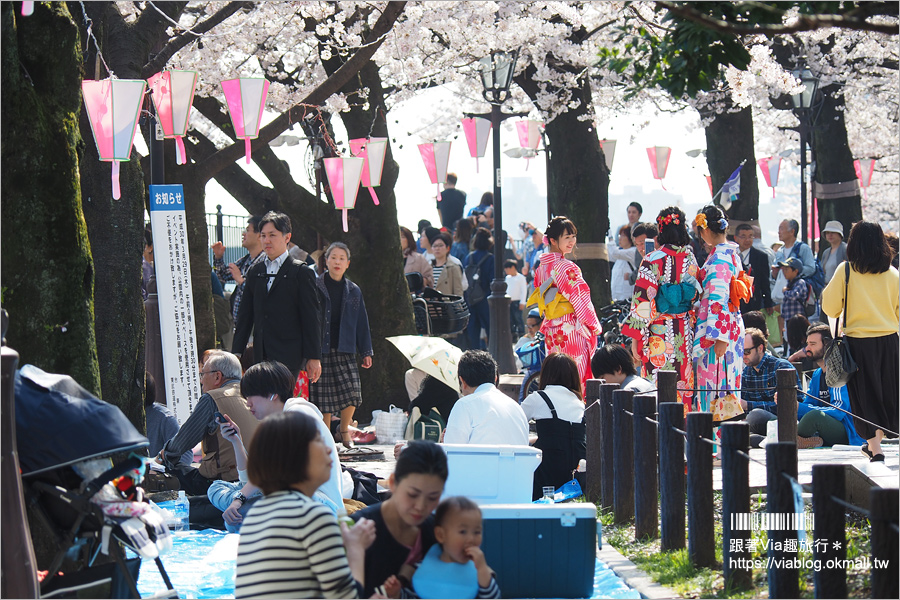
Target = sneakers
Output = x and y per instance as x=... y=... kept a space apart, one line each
x=809 y=442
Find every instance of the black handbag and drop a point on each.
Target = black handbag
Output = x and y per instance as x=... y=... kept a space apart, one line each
x=839 y=363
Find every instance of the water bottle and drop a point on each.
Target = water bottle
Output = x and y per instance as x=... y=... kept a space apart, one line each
x=182 y=512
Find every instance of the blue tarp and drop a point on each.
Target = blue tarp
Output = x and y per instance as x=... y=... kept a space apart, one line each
x=201 y=565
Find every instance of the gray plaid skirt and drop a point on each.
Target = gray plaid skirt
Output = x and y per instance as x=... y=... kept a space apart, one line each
x=338 y=387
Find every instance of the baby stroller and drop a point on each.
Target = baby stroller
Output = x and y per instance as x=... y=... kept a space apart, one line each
x=67 y=439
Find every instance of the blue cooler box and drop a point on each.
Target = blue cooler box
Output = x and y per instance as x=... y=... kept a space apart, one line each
x=542 y=550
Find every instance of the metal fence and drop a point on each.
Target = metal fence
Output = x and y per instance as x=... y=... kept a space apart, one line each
x=226 y=229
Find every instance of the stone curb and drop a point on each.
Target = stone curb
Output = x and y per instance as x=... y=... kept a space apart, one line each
x=633 y=576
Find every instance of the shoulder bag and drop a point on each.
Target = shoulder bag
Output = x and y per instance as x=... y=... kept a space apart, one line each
x=839 y=363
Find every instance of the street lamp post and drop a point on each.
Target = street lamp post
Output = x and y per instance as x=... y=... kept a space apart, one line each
x=496 y=76
x=803 y=105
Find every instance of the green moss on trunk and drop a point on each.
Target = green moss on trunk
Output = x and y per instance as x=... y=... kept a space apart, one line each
x=48 y=276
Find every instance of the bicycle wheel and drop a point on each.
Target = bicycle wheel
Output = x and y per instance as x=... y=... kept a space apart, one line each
x=532 y=383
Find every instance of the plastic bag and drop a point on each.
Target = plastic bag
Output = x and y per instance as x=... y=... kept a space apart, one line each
x=771 y=433
x=389 y=425
x=566 y=491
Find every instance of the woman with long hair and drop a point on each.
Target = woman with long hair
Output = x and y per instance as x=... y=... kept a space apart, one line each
x=661 y=321
x=564 y=299
x=558 y=411
x=413 y=262
x=462 y=239
x=871 y=319
x=719 y=342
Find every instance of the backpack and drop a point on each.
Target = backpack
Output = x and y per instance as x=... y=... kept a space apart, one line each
x=817 y=279
x=476 y=292
x=809 y=307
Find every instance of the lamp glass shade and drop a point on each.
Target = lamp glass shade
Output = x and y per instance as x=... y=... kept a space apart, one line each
x=497 y=71
x=810 y=83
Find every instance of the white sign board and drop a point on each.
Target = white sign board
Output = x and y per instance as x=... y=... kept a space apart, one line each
x=176 y=300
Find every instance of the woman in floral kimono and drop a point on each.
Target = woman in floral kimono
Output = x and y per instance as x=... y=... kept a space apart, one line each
x=719 y=342
x=661 y=321
x=564 y=299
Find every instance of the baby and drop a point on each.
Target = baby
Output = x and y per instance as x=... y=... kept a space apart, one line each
x=455 y=566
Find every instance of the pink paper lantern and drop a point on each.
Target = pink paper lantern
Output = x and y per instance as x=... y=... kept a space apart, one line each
x=609 y=152
x=709 y=183
x=344 y=174
x=659 y=162
x=770 y=167
x=864 y=169
x=529 y=136
x=372 y=151
x=476 y=130
x=436 y=157
x=113 y=106
x=246 y=99
x=173 y=93
x=27 y=9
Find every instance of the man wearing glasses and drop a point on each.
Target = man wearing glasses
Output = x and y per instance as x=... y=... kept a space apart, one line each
x=220 y=382
x=758 y=384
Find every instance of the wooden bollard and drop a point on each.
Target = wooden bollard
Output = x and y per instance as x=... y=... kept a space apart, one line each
x=786 y=384
x=883 y=508
x=607 y=447
x=701 y=532
x=736 y=566
x=781 y=458
x=667 y=386
x=593 y=427
x=623 y=440
x=830 y=578
x=671 y=476
x=646 y=506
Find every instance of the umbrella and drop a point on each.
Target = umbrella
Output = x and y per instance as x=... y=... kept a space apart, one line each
x=435 y=356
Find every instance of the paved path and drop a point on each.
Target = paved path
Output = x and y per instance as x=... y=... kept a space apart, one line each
x=886 y=474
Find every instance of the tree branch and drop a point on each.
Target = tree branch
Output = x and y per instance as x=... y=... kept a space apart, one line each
x=803 y=23
x=209 y=167
x=177 y=43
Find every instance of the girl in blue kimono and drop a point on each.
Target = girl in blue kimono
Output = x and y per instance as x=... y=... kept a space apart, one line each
x=719 y=339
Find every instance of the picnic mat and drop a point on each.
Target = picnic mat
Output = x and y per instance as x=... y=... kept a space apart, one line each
x=201 y=565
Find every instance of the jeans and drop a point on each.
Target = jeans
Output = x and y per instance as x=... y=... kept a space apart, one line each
x=516 y=324
x=222 y=493
x=479 y=316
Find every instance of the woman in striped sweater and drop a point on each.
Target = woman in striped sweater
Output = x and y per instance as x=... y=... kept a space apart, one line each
x=291 y=546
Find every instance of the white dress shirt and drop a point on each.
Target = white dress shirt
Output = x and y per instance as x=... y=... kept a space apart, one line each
x=487 y=416
x=516 y=287
x=569 y=407
x=273 y=266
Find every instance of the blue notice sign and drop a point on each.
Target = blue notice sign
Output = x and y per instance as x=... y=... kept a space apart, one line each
x=166 y=197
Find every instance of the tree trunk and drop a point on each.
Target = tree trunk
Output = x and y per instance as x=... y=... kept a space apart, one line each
x=48 y=277
x=729 y=140
x=578 y=183
x=834 y=163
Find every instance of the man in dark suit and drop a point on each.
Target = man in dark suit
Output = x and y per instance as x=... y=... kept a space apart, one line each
x=280 y=305
x=756 y=264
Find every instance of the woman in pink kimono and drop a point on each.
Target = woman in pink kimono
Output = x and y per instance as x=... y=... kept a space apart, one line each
x=719 y=343
x=564 y=299
x=661 y=321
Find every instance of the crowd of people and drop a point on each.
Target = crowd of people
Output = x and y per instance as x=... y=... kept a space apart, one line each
x=701 y=294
